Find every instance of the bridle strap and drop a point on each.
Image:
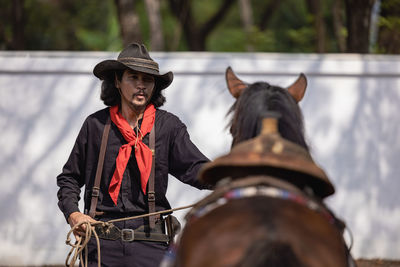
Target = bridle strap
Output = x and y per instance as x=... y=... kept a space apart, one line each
x=229 y=184
x=262 y=190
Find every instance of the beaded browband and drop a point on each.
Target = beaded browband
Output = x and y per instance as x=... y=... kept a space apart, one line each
x=262 y=190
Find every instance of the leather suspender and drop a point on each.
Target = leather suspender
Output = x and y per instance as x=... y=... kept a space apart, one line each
x=151 y=198
x=99 y=171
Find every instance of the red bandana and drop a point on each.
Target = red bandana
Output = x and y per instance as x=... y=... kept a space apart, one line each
x=142 y=152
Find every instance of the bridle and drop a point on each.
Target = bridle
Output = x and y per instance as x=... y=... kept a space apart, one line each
x=262 y=189
x=263 y=186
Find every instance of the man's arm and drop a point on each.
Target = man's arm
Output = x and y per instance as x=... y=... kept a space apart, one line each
x=71 y=179
x=186 y=159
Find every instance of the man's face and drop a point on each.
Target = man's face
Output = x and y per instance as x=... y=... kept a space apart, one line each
x=136 y=89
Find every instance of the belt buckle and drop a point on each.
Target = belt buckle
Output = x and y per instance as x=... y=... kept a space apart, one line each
x=127 y=235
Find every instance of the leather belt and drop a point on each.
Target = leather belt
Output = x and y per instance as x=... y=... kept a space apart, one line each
x=111 y=232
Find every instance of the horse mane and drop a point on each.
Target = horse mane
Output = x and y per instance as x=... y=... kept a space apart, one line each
x=265 y=252
x=256 y=102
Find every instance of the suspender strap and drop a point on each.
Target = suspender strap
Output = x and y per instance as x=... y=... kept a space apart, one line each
x=151 y=198
x=99 y=171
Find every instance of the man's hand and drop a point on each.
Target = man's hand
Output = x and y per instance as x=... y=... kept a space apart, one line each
x=77 y=218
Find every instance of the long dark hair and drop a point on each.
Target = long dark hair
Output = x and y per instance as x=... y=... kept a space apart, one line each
x=111 y=96
x=255 y=102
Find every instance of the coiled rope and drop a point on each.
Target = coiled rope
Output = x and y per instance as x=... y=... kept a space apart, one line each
x=77 y=248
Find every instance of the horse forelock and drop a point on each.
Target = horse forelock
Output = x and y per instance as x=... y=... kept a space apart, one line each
x=273 y=253
x=255 y=102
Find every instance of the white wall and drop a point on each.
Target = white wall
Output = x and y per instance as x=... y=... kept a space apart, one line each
x=351 y=111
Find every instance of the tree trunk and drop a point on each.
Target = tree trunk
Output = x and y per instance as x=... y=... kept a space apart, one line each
x=338 y=24
x=5 y=41
x=269 y=10
x=358 y=14
x=315 y=8
x=156 y=33
x=182 y=11
x=246 y=14
x=128 y=21
x=213 y=22
x=196 y=35
x=18 y=36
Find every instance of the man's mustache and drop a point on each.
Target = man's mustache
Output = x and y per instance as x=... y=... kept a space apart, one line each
x=141 y=93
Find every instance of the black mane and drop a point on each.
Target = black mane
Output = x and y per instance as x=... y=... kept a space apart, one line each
x=255 y=102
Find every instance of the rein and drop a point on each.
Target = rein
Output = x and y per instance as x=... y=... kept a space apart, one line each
x=77 y=249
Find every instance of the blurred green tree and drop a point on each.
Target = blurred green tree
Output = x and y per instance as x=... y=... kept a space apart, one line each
x=388 y=36
x=59 y=25
x=298 y=26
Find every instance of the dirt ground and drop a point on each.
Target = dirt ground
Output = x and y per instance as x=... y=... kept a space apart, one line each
x=377 y=263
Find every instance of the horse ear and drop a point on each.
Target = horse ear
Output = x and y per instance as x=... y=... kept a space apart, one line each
x=298 y=88
x=235 y=85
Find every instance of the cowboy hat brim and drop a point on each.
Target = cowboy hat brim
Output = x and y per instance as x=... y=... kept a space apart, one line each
x=107 y=67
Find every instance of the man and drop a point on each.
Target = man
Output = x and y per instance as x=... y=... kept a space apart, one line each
x=132 y=89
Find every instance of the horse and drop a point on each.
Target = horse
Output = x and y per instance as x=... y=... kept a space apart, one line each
x=267 y=207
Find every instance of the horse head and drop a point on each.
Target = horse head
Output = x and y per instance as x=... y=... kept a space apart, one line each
x=254 y=101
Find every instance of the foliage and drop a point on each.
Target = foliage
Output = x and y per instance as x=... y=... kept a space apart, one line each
x=289 y=30
x=94 y=25
x=105 y=38
x=68 y=25
x=389 y=31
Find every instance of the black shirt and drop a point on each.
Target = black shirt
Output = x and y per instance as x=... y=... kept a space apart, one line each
x=175 y=154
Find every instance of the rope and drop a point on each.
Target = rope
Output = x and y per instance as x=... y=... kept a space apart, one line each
x=151 y=214
x=81 y=242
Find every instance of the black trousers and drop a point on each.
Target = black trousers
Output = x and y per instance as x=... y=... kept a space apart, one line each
x=121 y=253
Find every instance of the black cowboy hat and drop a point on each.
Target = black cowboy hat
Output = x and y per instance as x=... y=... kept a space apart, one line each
x=134 y=57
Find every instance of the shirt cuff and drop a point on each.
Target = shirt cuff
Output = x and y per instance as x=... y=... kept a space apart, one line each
x=68 y=209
